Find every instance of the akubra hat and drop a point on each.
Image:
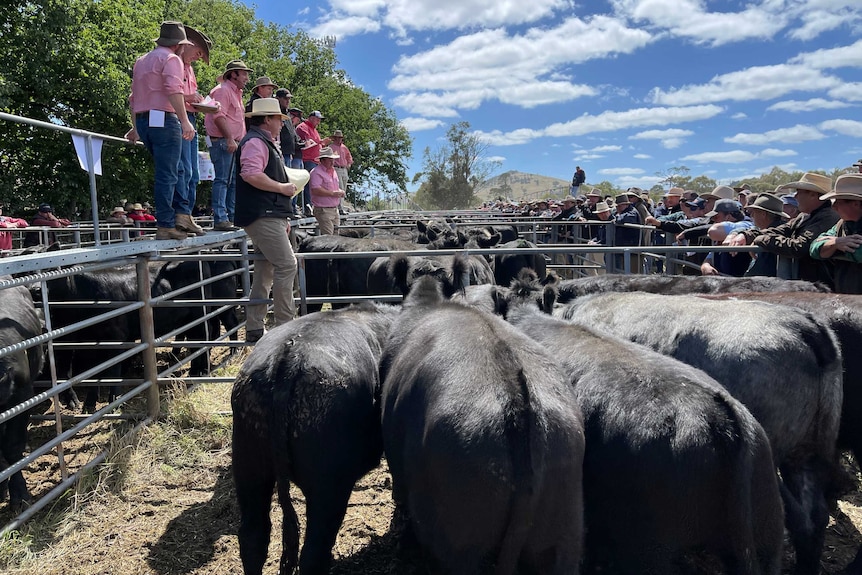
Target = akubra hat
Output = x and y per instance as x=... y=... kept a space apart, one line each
x=811 y=182
x=595 y=192
x=235 y=66
x=769 y=203
x=171 y=34
x=200 y=40
x=622 y=199
x=266 y=107
x=847 y=187
x=674 y=192
x=720 y=193
x=264 y=81
x=601 y=207
x=327 y=152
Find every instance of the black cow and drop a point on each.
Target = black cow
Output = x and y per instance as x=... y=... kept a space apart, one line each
x=673 y=463
x=397 y=273
x=675 y=285
x=18 y=321
x=483 y=438
x=304 y=411
x=782 y=364
x=508 y=266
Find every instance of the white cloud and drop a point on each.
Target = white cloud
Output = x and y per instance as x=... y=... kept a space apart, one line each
x=793 y=135
x=635 y=118
x=755 y=83
x=621 y=171
x=841 y=57
x=343 y=27
x=670 y=139
x=588 y=157
x=739 y=116
x=498 y=159
x=845 y=127
x=851 y=91
x=818 y=21
x=690 y=19
x=607 y=149
x=643 y=182
x=807 y=105
x=520 y=69
x=513 y=138
x=732 y=157
x=419 y=124
x=642 y=157
x=775 y=153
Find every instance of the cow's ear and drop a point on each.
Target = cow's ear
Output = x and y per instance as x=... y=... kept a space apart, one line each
x=487 y=242
x=551 y=279
x=420 y=225
x=549 y=297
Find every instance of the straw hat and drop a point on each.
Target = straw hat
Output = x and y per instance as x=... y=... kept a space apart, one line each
x=811 y=182
x=720 y=193
x=847 y=187
x=266 y=107
x=327 y=152
x=137 y=207
x=601 y=207
x=118 y=210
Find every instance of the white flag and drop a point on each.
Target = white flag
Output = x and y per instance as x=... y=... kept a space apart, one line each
x=81 y=149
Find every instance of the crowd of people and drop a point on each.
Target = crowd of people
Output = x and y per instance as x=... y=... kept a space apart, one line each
x=810 y=229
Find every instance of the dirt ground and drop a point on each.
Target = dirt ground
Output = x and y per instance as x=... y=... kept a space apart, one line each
x=166 y=506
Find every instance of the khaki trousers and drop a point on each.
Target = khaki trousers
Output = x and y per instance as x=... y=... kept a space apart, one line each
x=276 y=272
x=327 y=219
x=342 y=178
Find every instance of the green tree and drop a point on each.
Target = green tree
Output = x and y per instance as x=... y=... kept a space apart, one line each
x=608 y=189
x=673 y=177
x=451 y=174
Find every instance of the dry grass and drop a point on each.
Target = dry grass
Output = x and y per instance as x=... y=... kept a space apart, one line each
x=166 y=505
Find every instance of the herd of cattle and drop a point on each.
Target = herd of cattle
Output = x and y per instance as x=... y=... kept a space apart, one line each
x=612 y=424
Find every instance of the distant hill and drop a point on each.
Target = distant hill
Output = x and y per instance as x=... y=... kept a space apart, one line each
x=520 y=186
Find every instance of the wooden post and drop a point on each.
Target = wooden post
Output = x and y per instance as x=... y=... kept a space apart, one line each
x=148 y=336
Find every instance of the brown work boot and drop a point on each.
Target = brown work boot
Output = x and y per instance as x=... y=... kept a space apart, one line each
x=170 y=234
x=184 y=222
x=225 y=226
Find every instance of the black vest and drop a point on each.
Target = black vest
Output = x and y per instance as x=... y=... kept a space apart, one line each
x=252 y=203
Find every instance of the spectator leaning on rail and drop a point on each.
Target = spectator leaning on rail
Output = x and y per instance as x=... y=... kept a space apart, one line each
x=159 y=119
x=625 y=236
x=793 y=239
x=841 y=245
x=225 y=129
x=263 y=209
x=766 y=212
x=325 y=193
x=45 y=217
x=726 y=218
x=187 y=170
x=8 y=222
x=118 y=216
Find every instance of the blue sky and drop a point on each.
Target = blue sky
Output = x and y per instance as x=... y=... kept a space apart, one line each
x=623 y=88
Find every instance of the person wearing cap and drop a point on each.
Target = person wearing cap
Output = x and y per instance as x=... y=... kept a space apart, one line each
x=263 y=210
x=188 y=174
x=225 y=128
x=325 y=192
x=159 y=119
x=344 y=160
x=9 y=222
x=792 y=240
x=726 y=218
x=841 y=245
x=790 y=206
x=45 y=218
x=625 y=236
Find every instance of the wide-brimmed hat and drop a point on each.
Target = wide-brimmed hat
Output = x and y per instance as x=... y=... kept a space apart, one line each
x=674 y=192
x=266 y=107
x=769 y=203
x=118 y=209
x=595 y=192
x=742 y=188
x=337 y=134
x=720 y=193
x=327 y=152
x=571 y=199
x=634 y=192
x=200 y=40
x=811 y=182
x=137 y=207
x=847 y=187
x=264 y=81
x=622 y=199
x=283 y=93
x=235 y=66
x=600 y=208
x=724 y=206
x=171 y=33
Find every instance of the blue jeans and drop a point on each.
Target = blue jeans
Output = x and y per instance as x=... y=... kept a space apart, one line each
x=292 y=162
x=187 y=174
x=224 y=185
x=165 y=145
x=306 y=191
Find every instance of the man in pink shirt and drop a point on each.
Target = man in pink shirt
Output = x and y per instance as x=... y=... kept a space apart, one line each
x=345 y=158
x=325 y=193
x=7 y=222
x=307 y=131
x=157 y=95
x=187 y=170
x=225 y=129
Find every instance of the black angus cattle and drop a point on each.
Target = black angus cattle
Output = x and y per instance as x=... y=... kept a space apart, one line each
x=782 y=364
x=508 y=266
x=673 y=463
x=343 y=277
x=484 y=441
x=676 y=285
x=304 y=411
x=397 y=273
x=225 y=288
x=18 y=321
x=120 y=285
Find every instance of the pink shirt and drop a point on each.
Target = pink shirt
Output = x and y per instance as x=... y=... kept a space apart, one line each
x=190 y=85
x=156 y=76
x=345 y=158
x=231 y=110
x=323 y=178
x=308 y=132
x=254 y=158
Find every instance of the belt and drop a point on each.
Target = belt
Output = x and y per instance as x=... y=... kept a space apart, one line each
x=147 y=114
x=216 y=138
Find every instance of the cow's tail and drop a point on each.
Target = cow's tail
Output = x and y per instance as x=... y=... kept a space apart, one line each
x=827 y=352
x=755 y=527
x=522 y=438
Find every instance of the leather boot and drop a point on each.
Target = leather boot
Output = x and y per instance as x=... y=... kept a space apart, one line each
x=184 y=222
x=170 y=234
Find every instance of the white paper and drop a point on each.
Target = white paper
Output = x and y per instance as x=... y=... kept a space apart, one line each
x=205 y=167
x=80 y=143
x=207 y=141
x=157 y=119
